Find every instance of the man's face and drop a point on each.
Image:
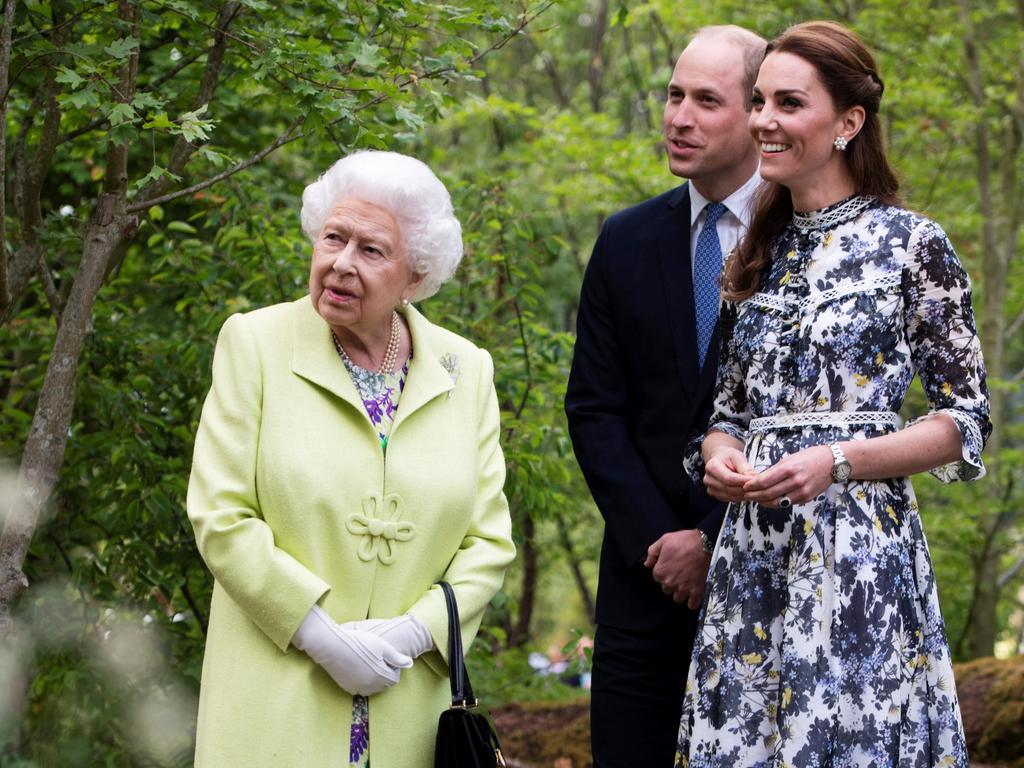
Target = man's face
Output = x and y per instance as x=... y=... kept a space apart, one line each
x=705 y=123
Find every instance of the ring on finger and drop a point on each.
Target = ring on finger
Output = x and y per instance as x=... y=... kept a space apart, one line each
x=785 y=502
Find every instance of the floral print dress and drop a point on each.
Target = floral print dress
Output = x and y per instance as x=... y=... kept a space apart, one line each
x=820 y=640
x=380 y=393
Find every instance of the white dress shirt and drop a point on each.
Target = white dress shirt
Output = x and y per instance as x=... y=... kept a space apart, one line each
x=732 y=224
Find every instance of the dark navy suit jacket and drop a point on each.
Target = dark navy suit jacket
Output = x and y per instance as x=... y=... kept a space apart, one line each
x=636 y=393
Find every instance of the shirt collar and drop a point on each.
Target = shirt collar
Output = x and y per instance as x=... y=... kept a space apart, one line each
x=738 y=203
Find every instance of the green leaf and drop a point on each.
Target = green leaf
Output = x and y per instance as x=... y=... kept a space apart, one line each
x=122 y=49
x=87 y=98
x=182 y=226
x=69 y=77
x=193 y=128
x=215 y=158
x=367 y=55
x=409 y=117
x=159 y=121
x=121 y=113
x=155 y=173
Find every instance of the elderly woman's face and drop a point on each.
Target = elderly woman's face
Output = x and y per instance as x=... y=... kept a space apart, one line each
x=359 y=272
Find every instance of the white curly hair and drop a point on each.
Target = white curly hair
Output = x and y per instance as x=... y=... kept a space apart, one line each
x=407 y=188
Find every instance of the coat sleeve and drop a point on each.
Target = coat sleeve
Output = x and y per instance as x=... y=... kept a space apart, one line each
x=477 y=570
x=273 y=589
x=635 y=511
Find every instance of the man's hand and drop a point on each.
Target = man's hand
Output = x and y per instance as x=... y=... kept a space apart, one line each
x=680 y=565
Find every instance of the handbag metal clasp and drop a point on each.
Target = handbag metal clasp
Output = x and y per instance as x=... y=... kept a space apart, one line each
x=501 y=760
x=464 y=704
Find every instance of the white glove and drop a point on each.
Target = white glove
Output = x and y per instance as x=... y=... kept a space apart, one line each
x=405 y=633
x=358 y=661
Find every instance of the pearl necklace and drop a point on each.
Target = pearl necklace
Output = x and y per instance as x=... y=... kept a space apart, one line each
x=390 y=354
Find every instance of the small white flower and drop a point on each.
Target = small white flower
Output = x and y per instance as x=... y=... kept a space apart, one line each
x=175 y=54
x=66 y=210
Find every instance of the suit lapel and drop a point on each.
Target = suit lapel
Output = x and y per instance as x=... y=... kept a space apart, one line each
x=677 y=279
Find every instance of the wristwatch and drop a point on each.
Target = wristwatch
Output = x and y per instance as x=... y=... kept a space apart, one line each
x=706 y=542
x=840 y=466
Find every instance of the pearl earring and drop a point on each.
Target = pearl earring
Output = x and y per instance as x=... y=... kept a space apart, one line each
x=405 y=302
x=840 y=143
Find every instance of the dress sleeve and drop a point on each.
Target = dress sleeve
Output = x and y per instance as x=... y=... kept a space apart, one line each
x=944 y=344
x=731 y=410
x=477 y=570
x=273 y=588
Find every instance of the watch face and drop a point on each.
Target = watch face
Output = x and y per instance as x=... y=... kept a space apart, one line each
x=841 y=471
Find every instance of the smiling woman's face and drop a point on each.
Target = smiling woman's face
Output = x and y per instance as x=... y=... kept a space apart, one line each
x=359 y=271
x=794 y=122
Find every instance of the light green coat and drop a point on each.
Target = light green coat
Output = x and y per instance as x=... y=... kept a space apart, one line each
x=288 y=485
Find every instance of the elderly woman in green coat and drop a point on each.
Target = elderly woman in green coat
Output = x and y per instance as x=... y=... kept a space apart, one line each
x=347 y=459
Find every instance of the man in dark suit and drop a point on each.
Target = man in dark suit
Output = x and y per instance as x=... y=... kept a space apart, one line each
x=642 y=377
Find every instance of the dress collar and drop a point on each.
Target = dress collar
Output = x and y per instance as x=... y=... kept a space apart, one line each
x=738 y=203
x=833 y=215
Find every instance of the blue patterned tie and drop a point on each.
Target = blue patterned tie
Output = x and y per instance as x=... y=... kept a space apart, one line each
x=707 y=266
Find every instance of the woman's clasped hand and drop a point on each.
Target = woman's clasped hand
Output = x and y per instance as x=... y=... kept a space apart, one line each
x=356 y=658
x=798 y=477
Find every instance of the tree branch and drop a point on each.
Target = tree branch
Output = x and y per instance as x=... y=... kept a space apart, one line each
x=183 y=148
x=596 y=71
x=5 y=64
x=49 y=287
x=101 y=122
x=285 y=138
x=30 y=177
x=1008 y=575
x=552 y=72
x=1017 y=321
x=290 y=134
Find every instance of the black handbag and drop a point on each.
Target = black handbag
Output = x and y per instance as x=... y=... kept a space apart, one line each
x=465 y=739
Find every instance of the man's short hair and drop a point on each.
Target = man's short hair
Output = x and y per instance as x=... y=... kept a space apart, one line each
x=751 y=45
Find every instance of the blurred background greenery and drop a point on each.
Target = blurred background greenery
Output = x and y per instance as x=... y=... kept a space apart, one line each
x=153 y=158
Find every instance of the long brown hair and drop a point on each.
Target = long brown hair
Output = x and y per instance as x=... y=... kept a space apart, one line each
x=848 y=71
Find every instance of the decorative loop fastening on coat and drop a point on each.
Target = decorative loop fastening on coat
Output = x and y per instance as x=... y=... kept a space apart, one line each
x=379 y=526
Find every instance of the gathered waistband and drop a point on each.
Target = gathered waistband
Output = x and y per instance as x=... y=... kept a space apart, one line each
x=822 y=419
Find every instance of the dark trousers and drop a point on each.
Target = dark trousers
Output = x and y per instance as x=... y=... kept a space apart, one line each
x=636 y=694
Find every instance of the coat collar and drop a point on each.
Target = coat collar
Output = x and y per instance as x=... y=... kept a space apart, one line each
x=428 y=377
x=315 y=359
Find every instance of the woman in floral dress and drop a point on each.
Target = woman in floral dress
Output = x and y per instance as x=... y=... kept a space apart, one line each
x=821 y=641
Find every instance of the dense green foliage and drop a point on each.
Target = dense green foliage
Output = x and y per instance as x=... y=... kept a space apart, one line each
x=538 y=140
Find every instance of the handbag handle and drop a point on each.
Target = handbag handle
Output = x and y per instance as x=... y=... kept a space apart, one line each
x=462 y=691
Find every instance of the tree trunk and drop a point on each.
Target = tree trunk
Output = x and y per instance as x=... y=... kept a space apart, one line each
x=44 y=450
x=521 y=630
x=596 y=72
x=576 y=568
x=999 y=232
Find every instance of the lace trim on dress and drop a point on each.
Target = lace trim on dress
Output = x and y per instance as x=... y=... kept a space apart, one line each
x=781 y=304
x=970 y=465
x=833 y=215
x=823 y=419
